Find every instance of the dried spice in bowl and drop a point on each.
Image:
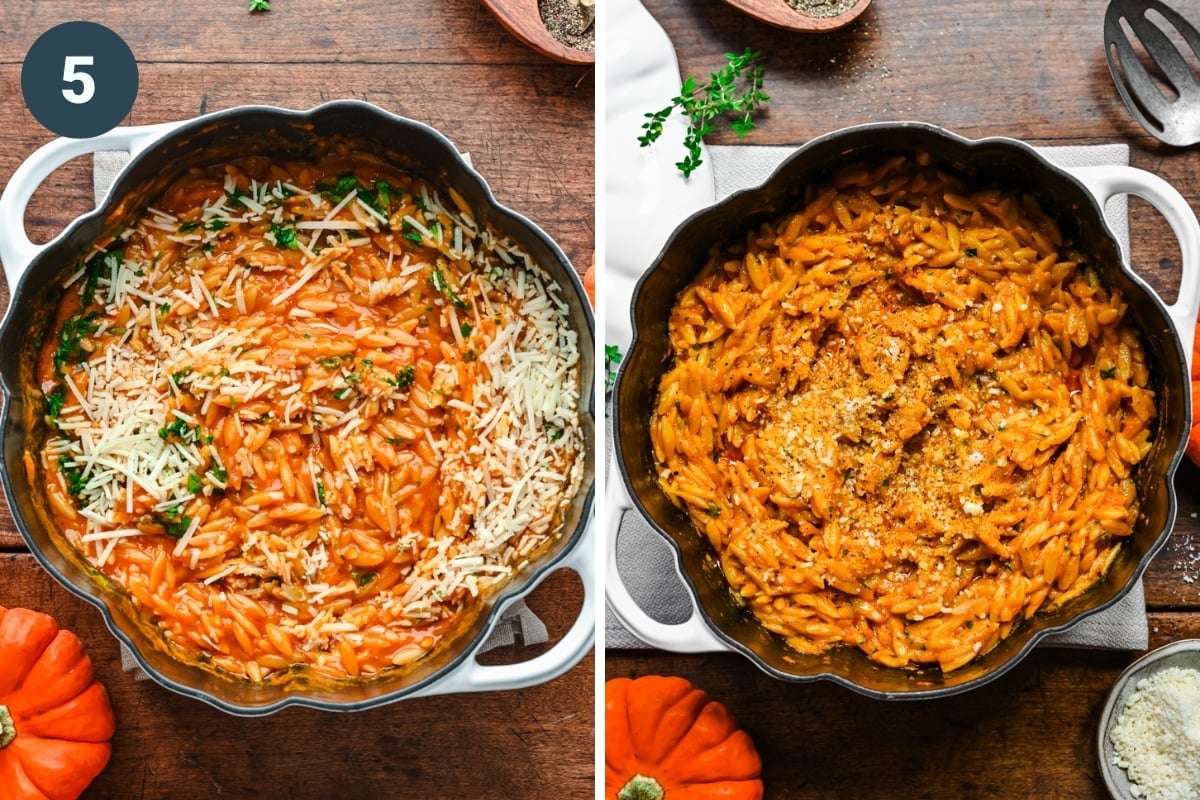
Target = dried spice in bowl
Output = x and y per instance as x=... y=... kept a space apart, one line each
x=822 y=8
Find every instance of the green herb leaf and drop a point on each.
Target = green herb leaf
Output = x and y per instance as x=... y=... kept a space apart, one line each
x=438 y=279
x=734 y=92
x=405 y=377
x=101 y=262
x=285 y=237
x=259 y=5
x=56 y=400
x=194 y=483
x=330 y=362
x=612 y=357
x=337 y=189
x=74 y=475
x=179 y=430
x=188 y=227
x=70 y=350
x=175 y=522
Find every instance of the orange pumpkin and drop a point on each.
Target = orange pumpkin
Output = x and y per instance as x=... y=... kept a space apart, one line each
x=55 y=718
x=589 y=282
x=667 y=740
x=1193 y=445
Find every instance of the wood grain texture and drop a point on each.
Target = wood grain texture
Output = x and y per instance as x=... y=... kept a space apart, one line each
x=496 y=744
x=527 y=123
x=1030 y=69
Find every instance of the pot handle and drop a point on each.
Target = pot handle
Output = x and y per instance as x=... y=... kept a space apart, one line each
x=690 y=636
x=16 y=251
x=1109 y=181
x=471 y=676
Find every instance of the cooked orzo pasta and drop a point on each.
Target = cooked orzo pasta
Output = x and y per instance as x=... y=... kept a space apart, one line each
x=310 y=414
x=905 y=416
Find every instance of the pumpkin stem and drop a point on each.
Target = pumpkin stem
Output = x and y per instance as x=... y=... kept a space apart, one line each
x=642 y=787
x=8 y=728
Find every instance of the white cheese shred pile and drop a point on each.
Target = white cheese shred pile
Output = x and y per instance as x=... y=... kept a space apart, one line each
x=1157 y=737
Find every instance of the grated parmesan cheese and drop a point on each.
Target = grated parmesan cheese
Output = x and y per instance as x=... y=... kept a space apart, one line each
x=1156 y=739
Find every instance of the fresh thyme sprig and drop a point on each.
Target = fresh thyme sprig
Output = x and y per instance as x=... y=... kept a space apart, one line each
x=722 y=96
x=612 y=359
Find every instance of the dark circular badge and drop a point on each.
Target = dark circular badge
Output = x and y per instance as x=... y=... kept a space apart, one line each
x=79 y=79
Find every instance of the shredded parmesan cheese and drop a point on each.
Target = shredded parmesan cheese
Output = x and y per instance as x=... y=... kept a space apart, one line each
x=1157 y=736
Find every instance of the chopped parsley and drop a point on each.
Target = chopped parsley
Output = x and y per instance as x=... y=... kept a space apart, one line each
x=465 y=329
x=194 y=483
x=405 y=377
x=1111 y=372
x=330 y=362
x=175 y=522
x=612 y=357
x=336 y=190
x=219 y=473
x=259 y=5
x=70 y=350
x=216 y=224
x=177 y=378
x=188 y=227
x=92 y=267
x=363 y=579
x=438 y=279
x=320 y=491
x=74 y=475
x=411 y=233
x=713 y=510
x=285 y=237
x=56 y=400
x=180 y=431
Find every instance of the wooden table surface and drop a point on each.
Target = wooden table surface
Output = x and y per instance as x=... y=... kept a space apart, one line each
x=527 y=123
x=1032 y=69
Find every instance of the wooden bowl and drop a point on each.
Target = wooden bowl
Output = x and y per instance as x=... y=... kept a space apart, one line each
x=782 y=15
x=522 y=19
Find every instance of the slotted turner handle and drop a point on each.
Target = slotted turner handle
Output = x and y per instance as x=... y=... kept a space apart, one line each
x=1174 y=120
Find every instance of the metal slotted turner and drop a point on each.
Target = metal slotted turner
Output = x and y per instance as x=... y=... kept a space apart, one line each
x=1173 y=119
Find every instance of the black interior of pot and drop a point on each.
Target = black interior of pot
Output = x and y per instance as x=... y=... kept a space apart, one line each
x=210 y=140
x=992 y=162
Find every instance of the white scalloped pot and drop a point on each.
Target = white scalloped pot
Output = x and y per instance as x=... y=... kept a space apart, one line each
x=17 y=252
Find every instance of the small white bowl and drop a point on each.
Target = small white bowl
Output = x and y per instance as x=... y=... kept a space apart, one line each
x=1183 y=653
